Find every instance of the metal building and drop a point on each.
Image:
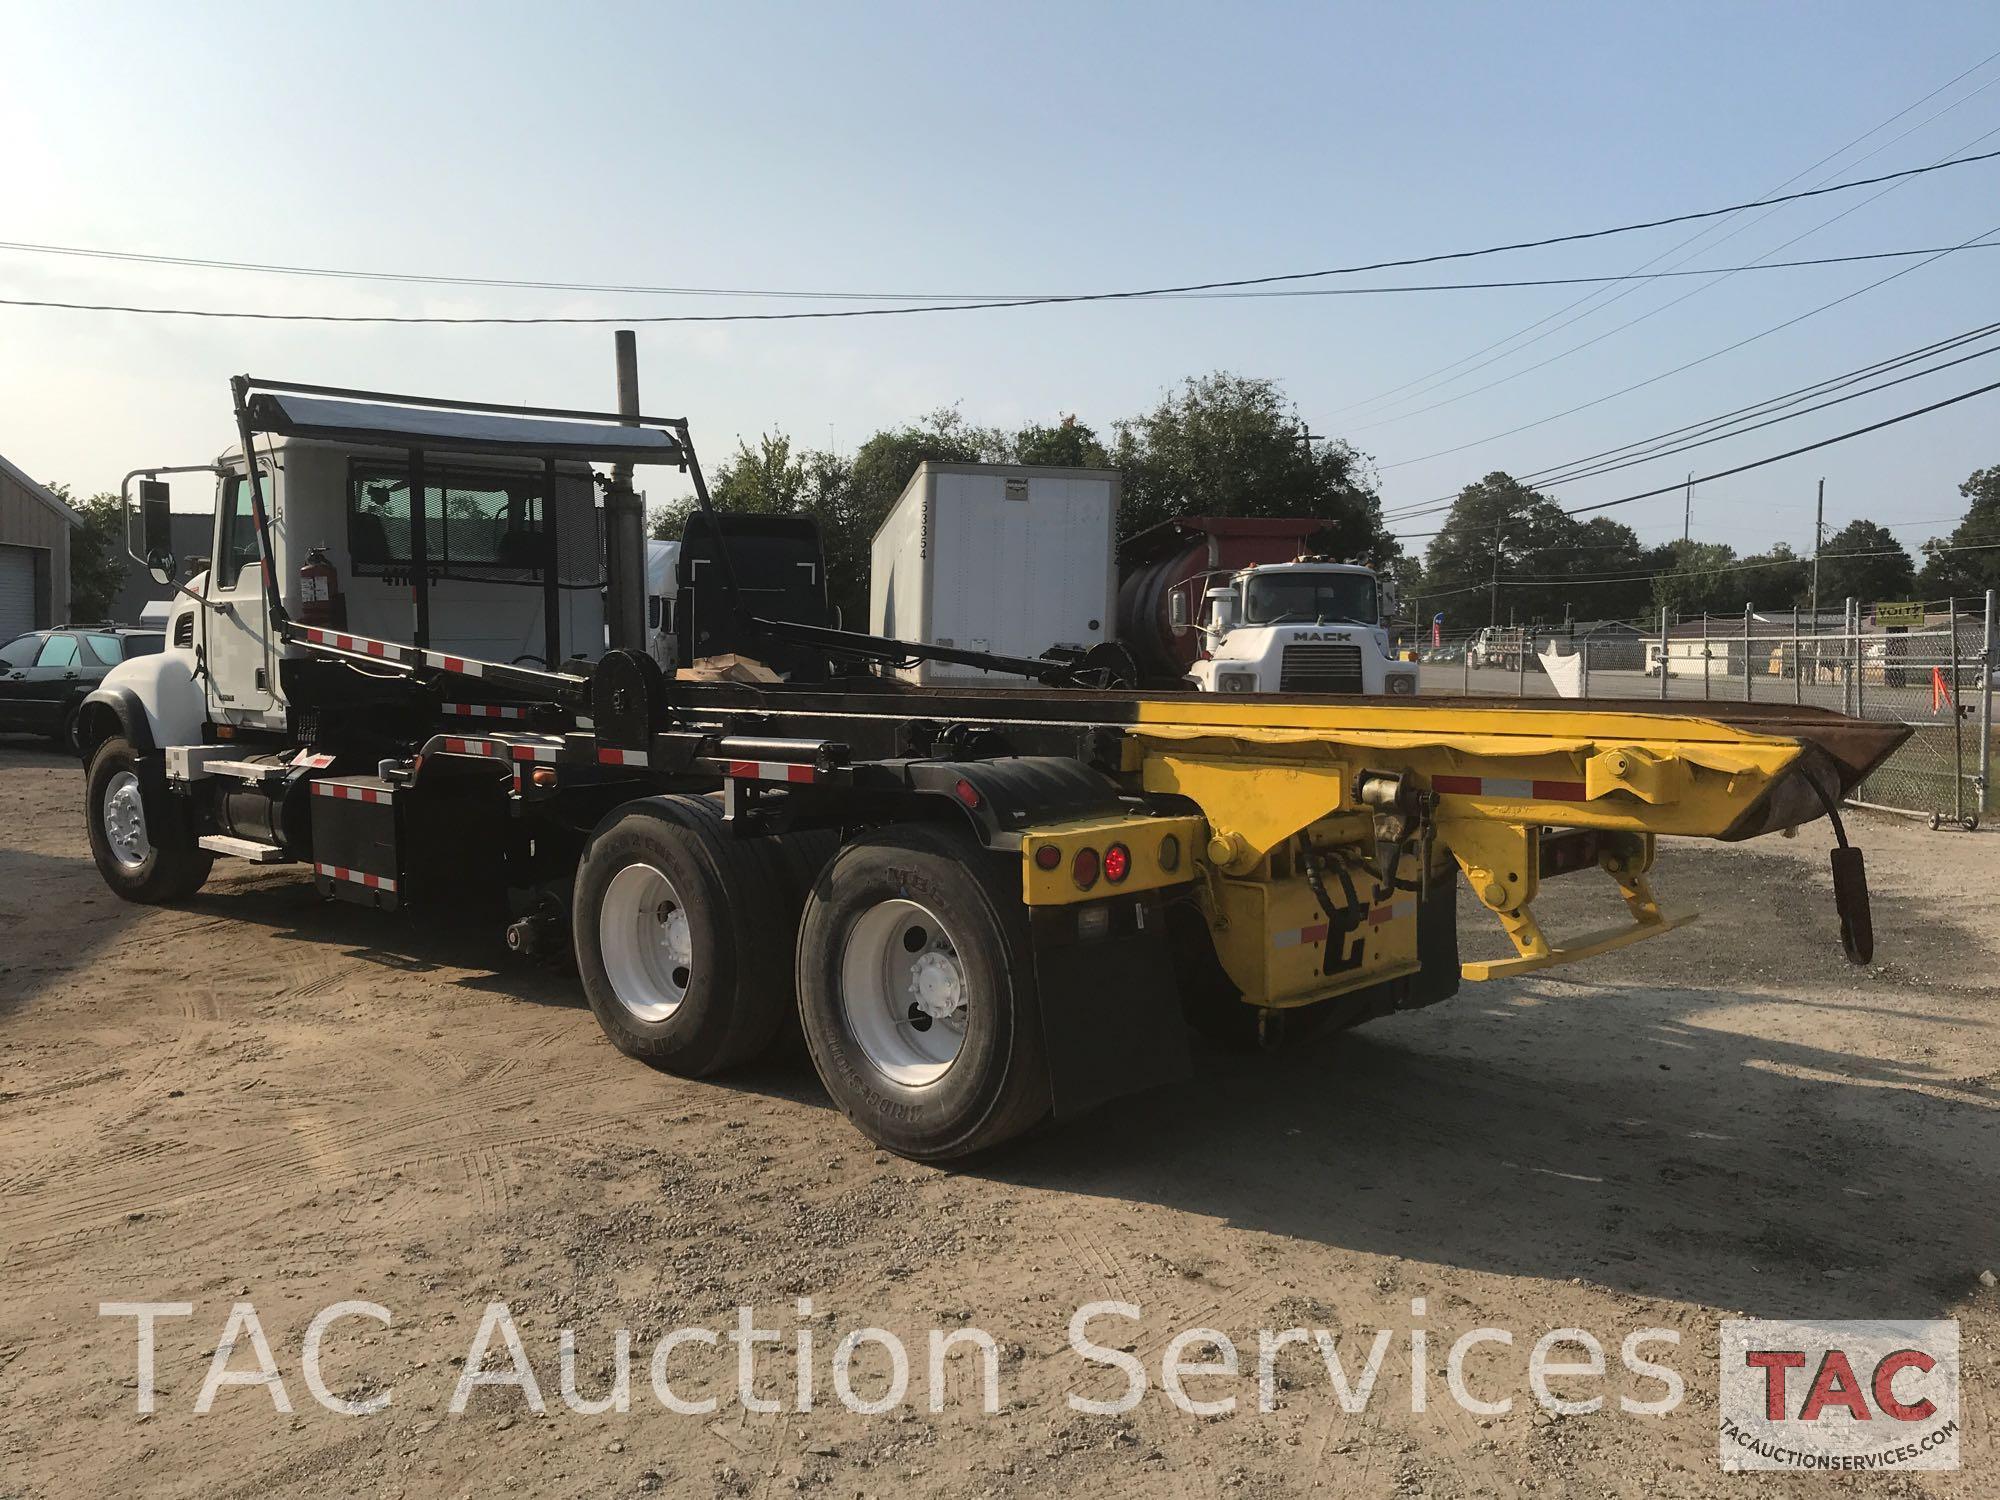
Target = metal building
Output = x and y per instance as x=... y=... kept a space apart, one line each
x=34 y=554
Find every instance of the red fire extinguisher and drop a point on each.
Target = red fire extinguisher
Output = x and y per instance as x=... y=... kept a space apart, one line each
x=320 y=600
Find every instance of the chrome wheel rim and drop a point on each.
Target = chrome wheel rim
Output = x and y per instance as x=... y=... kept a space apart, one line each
x=124 y=818
x=903 y=992
x=642 y=929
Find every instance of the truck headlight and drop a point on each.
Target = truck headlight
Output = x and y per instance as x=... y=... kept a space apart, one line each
x=1236 y=682
x=1400 y=685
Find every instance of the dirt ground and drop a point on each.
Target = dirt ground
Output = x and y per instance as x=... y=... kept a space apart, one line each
x=260 y=1098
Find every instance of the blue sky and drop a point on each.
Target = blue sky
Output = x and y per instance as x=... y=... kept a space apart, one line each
x=960 y=149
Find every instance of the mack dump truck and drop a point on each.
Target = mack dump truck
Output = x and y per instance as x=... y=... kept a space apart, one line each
x=984 y=907
x=1239 y=604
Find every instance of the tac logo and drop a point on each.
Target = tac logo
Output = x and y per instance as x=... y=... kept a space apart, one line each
x=1839 y=1395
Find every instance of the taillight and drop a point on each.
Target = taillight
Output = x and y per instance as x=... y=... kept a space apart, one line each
x=1047 y=857
x=1083 y=869
x=1170 y=853
x=1117 y=863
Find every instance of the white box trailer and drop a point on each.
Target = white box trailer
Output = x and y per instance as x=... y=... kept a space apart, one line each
x=1006 y=558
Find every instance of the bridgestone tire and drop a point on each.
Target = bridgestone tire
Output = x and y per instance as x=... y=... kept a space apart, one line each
x=176 y=866
x=997 y=1086
x=739 y=924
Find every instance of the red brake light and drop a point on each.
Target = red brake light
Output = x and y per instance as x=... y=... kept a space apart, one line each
x=1083 y=869
x=1117 y=863
x=1047 y=857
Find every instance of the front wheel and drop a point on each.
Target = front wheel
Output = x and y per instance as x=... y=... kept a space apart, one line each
x=917 y=994
x=140 y=834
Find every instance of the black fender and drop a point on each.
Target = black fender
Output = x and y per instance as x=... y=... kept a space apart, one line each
x=1003 y=795
x=108 y=710
x=1110 y=1002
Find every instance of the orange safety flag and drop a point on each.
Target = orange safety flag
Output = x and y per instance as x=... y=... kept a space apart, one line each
x=1941 y=692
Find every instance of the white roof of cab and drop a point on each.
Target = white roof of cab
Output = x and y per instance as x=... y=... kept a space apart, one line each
x=434 y=430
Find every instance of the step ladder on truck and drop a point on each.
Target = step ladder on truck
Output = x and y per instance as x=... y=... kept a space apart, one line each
x=986 y=906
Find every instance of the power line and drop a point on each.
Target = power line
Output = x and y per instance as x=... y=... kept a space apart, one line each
x=1832 y=382
x=1598 y=338
x=477 y=319
x=1643 y=265
x=1741 y=429
x=1810 y=312
x=995 y=301
x=1639 y=281
x=1580 y=468
x=1843 y=437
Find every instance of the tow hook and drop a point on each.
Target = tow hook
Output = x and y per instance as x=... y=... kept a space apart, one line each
x=1850 y=900
x=1850 y=890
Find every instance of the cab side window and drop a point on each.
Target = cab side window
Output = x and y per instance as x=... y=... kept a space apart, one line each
x=58 y=651
x=237 y=546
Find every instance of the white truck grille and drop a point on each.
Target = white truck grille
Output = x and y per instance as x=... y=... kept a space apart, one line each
x=1320 y=669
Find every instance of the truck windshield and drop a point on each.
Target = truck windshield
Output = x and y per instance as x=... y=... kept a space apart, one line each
x=1272 y=598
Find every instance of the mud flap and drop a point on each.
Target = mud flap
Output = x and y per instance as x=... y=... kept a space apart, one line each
x=1850 y=901
x=1111 y=1012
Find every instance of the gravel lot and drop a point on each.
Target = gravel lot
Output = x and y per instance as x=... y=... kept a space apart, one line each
x=257 y=1097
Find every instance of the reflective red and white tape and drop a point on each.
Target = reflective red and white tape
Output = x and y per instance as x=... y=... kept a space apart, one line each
x=1315 y=932
x=771 y=770
x=355 y=877
x=484 y=711
x=344 y=793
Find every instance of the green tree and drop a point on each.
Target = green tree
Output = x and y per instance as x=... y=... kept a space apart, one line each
x=1549 y=566
x=1950 y=573
x=1069 y=444
x=1230 y=445
x=1699 y=578
x=1780 y=579
x=97 y=558
x=1864 y=561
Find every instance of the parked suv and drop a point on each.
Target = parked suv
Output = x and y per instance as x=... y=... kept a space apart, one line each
x=45 y=674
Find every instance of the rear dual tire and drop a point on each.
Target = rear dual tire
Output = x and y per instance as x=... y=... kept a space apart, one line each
x=682 y=933
x=910 y=969
x=917 y=994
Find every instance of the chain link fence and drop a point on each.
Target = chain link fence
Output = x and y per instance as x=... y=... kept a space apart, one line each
x=1931 y=668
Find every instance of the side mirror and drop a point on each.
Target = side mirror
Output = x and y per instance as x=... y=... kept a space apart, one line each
x=156 y=527
x=1177 y=610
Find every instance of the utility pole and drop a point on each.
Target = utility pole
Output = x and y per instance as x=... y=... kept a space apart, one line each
x=1493 y=618
x=1687 y=509
x=625 y=519
x=1819 y=530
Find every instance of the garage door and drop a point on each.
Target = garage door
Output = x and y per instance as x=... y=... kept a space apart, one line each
x=17 y=592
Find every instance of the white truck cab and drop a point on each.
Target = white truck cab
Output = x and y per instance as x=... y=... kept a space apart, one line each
x=483 y=553
x=1309 y=626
